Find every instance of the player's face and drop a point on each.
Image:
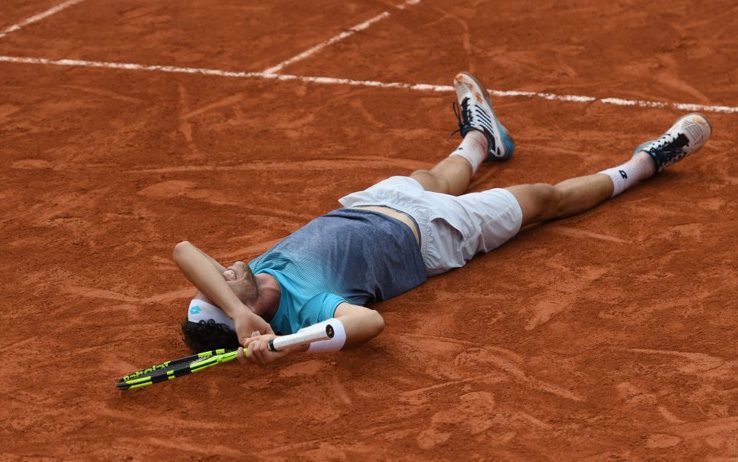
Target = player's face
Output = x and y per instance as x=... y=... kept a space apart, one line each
x=240 y=280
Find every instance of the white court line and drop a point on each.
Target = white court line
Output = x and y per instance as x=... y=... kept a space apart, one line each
x=343 y=35
x=39 y=17
x=331 y=41
x=366 y=83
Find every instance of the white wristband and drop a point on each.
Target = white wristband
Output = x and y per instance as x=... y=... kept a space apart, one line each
x=332 y=344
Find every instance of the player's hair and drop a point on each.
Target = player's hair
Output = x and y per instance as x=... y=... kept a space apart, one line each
x=208 y=335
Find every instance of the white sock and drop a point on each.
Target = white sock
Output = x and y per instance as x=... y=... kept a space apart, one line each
x=625 y=175
x=471 y=150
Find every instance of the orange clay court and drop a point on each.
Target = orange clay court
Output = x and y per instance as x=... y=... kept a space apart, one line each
x=128 y=126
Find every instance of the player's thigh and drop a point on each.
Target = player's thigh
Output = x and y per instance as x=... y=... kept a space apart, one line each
x=537 y=201
x=487 y=219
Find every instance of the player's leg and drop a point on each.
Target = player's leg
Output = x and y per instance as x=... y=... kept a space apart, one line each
x=541 y=202
x=453 y=174
x=484 y=139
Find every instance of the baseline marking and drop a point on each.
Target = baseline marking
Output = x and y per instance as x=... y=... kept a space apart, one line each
x=343 y=35
x=366 y=83
x=39 y=17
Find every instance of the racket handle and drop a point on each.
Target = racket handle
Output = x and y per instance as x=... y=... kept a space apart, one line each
x=307 y=335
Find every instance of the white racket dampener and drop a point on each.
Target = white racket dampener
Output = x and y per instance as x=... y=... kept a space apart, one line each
x=304 y=336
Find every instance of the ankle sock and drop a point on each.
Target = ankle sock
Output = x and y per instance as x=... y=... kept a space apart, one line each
x=623 y=176
x=471 y=150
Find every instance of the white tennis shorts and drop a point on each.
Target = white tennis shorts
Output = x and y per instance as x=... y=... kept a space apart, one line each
x=452 y=228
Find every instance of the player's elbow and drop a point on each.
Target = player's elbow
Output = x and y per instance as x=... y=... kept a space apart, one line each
x=180 y=248
x=375 y=323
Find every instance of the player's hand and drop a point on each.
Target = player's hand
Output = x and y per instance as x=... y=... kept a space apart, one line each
x=248 y=323
x=256 y=350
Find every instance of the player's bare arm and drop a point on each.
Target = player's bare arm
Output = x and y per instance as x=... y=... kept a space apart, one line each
x=360 y=324
x=201 y=271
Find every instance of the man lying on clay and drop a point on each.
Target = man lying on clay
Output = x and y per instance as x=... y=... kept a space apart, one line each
x=389 y=238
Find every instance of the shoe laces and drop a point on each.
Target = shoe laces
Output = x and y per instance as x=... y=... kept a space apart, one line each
x=463 y=115
x=669 y=143
x=661 y=142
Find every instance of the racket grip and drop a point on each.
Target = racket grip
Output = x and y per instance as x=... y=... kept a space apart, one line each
x=314 y=333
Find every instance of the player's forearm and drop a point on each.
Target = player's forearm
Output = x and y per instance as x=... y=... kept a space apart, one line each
x=199 y=269
x=352 y=325
x=212 y=260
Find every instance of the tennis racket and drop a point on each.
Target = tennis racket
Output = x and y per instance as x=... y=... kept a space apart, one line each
x=170 y=370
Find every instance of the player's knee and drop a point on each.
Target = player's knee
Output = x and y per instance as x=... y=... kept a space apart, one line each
x=422 y=176
x=548 y=193
x=443 y=185
x=429 y=180
x=548 y=200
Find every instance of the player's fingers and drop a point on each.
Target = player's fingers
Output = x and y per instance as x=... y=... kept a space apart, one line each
x=241 y=356
x=249 y=340
x=250 y=353
x=259 y=351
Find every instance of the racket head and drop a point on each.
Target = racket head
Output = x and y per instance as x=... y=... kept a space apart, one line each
x=169 y=370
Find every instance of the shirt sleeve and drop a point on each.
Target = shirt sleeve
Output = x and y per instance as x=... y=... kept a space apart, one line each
x=319 y=308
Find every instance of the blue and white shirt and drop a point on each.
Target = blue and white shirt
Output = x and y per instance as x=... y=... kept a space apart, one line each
x=348 y=255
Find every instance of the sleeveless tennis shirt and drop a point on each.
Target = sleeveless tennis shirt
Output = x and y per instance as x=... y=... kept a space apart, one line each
x=348 y=255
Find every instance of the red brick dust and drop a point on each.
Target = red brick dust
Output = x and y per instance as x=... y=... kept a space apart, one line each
x=606 y=336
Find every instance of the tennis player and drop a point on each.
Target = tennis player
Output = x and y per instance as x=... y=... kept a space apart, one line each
x=389 y=238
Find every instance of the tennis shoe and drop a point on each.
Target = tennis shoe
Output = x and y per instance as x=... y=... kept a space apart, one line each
x=474 y=112
x=687 y=135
